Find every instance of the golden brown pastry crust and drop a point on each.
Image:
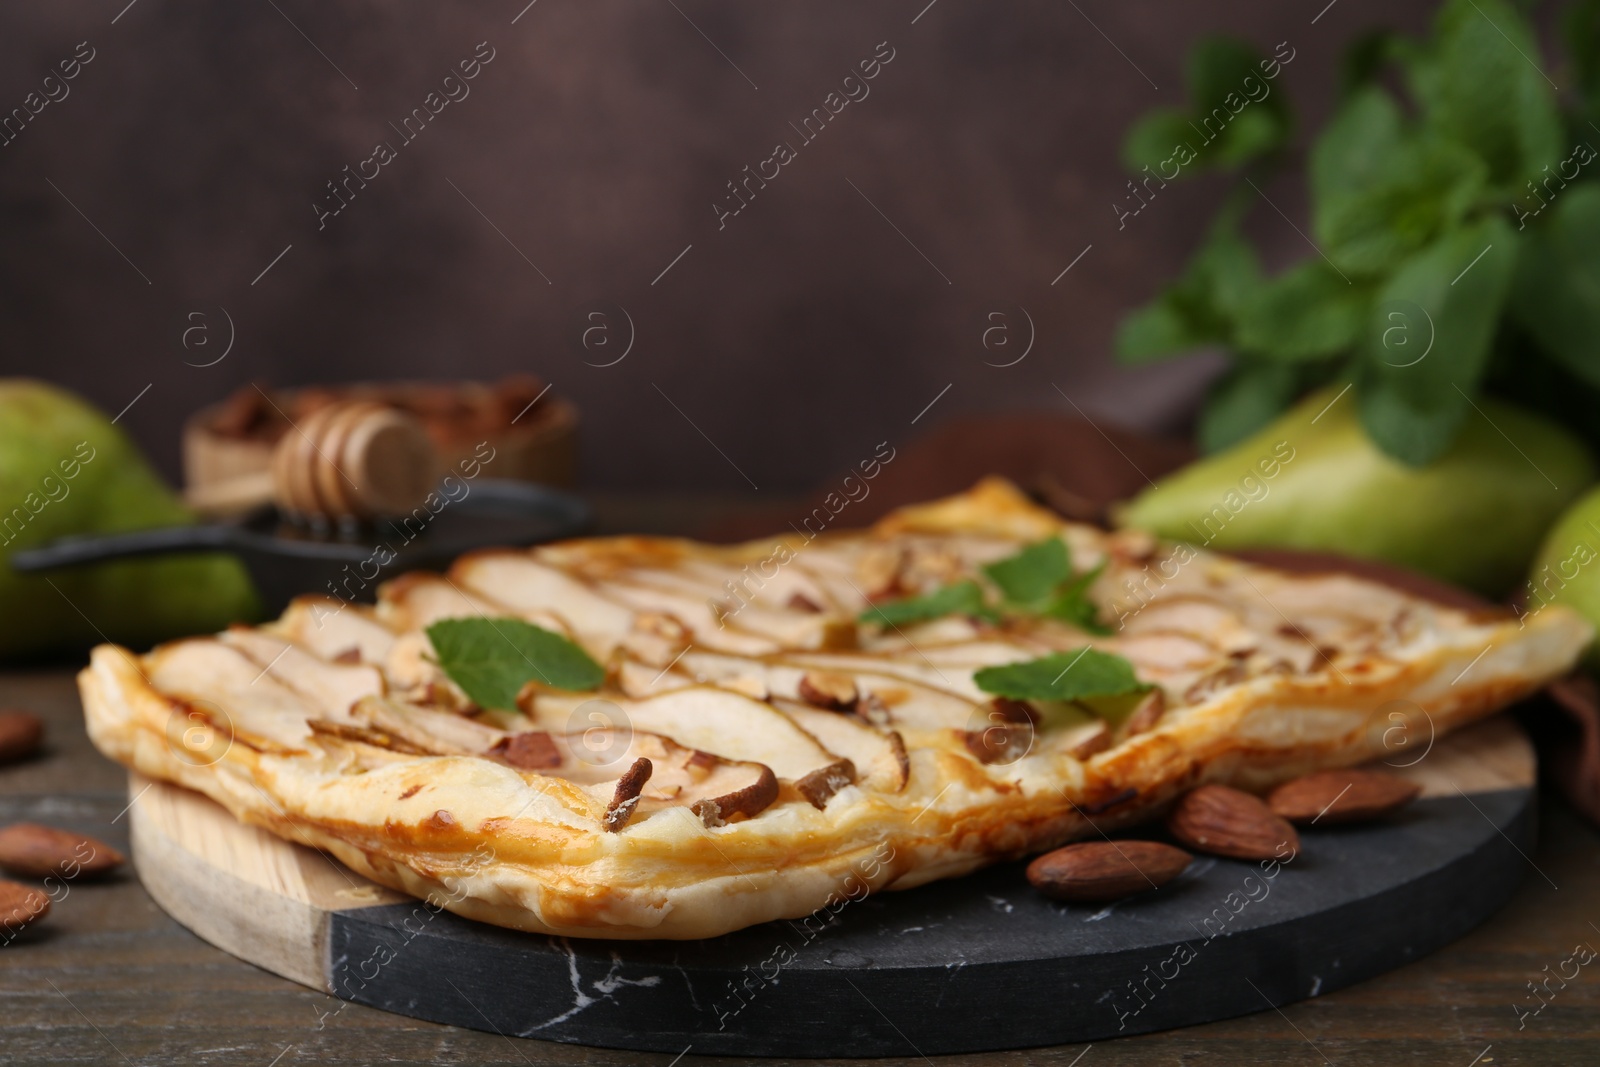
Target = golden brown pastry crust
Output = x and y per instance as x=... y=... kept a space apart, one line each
x=331 y=727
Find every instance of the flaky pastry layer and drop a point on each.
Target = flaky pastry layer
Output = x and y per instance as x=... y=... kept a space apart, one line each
x=333 y=726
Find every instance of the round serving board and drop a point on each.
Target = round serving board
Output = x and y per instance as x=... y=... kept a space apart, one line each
x=975 y=963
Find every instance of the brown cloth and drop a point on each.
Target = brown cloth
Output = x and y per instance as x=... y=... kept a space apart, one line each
x=1080 y=468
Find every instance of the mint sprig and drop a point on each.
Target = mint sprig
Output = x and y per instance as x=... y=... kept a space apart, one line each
x=962 y=598
x=1454 y=200
x=492 y=659
x=1076 y=675
x=1037 y=581
x=1033 y=573
x=1071 y=604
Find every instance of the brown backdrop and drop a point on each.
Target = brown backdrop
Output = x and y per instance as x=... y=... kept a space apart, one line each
x=587 y=155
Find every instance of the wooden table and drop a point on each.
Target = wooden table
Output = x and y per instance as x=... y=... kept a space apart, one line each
x=110 y=978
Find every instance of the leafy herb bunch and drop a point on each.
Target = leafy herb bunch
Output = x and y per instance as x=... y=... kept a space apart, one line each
x=1456 y=216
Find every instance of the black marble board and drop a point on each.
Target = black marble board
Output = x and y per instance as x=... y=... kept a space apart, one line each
x=976 y=963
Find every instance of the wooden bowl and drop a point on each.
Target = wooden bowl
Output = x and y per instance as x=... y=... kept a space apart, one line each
x=500 y=426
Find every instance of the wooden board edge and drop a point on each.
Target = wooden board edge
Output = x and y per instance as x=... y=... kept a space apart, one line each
x=278 y=933
x=272 y=903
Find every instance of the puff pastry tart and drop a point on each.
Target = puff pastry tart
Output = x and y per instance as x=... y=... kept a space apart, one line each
x=763 y=734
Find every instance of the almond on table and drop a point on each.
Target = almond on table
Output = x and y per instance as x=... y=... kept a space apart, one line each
x=36 y=851
x=20 y=734
x=20 y=905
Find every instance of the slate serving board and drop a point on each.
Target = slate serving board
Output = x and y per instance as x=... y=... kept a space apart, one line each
x=976 y=963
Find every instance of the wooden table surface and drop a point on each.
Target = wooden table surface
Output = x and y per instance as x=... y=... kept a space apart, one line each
x=109 y=978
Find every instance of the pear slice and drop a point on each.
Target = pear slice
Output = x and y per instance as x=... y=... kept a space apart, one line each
x=714 y=789
x=442 y=733
x=527 y=585
x=711 y=629
x=778 y=592
x=733 y=726
x=642 y=772
x=878 y=756
x=788 y=628
x=417 y=600
x=331 y=628
x=231 y=691
x=750 y=676
x=954 y=680
x=897 y=701
x=330 y=687
x=640 y=680
x=1082 y=741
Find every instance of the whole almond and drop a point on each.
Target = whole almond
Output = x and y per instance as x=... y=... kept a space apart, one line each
x=1225 y=822
x=20 y=734
x=1341 y=796
x=20 y=905
x=1094 y=872
x=36 y=851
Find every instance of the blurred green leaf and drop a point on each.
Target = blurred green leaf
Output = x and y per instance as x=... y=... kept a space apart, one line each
x=1032 y=574
x=1450 y=296
x=1482 y=84
x=1380 y=190
x=1161 y=328
x=1244 y=400
x=1234 y=114
x=1198 y=309
x=1580 y=28
x=1364 y=59
x=1084 y=672
x=1556 y=292
x=1308 y=312
x=1154 y=139
x=1235 y=105
x=1072 y=604
x=961 y=598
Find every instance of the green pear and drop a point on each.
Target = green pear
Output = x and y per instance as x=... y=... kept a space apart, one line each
x=1314 y=480
x=1567 y=568
x=65 y=469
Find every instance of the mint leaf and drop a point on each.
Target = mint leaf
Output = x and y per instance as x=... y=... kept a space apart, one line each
x=1222 y=73
x=492 y=659
x=1163 y=327
x=1154 y=138
x=1381 y=189
x=1556 y=292
x=1244 y=400
x=1234 y=115
x=1033 y=573
x=1062 y=676
x=1307 y=312
x=1580 y=27
x=962 y=598
x=1199 y=308
x=1365 y=58
x=1480 y=84
x=1449 y=296
x=1072 y=604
